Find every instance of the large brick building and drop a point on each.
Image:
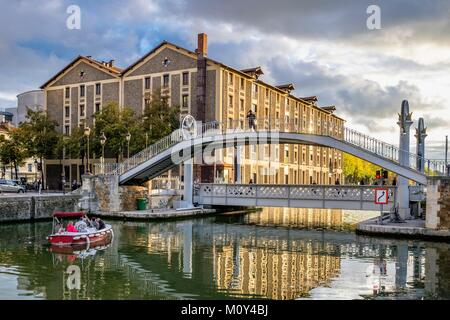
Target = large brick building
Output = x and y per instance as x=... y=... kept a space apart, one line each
x=209 y=90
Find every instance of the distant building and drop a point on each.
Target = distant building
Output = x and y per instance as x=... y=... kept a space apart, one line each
x=6 y=116
x=210 y=91
x=33 y=100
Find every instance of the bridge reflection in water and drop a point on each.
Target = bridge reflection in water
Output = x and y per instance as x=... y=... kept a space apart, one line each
x=275 y=254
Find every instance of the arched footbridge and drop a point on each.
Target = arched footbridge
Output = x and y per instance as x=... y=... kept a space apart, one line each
x=179 y=147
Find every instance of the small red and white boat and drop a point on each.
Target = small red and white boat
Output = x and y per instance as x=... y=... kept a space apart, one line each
x=90 y=235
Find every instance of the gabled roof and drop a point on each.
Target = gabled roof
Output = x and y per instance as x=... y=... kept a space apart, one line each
x=254 y=72
x=163 y=43
x=114 y=71
x=310 y=98
x=286 y=87
x=330 y=109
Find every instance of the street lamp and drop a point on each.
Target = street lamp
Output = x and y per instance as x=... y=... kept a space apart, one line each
x=87 y=133
x=128 y=138
x=103 y=142
x=146 y=133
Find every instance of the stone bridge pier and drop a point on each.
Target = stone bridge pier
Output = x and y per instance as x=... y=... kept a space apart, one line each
x=438 y=203
x=103 y=193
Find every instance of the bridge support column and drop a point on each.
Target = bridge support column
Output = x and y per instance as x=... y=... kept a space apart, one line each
x=421 y=134
x=188 y=183
x=404 y=122
x=237 y=164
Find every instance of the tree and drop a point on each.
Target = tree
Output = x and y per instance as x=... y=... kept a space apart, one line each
x=116 y=123
x=12 y=150
x=159 y=119
x=355 y=169
x=40 y=136
x=74 y=144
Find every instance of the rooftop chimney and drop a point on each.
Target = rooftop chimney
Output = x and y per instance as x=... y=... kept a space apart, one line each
x=202 y=46
x=111 y=63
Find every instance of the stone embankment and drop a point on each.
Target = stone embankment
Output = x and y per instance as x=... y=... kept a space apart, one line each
x=35 y=207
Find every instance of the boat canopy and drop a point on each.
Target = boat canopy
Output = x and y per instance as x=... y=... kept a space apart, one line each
x=64 y=214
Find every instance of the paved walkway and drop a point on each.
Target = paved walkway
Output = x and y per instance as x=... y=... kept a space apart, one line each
x=151 y=214
x=408 y=229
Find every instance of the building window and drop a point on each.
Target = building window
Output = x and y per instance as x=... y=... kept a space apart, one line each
x=185 y=101
x=185 y=78
x=98 y=89
x=241 y=105
x=67 y=130
x=67 y=92
x=254 y=91
x=147 y=103
x=278 y=98
x=97 y=107
x=81 y=110
x=67 y=112
x=230 y=78
x=166 y=80
x=242 y=83
x=147 y=83
x=82 y=90
x=230 y=101
x=254 y=107
x=267 y=93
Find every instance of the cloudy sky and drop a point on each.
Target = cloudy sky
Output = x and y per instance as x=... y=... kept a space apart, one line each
x=323 y=47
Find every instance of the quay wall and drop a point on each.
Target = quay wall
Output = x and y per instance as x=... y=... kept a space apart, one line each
x=438 y=203
x=35 y=207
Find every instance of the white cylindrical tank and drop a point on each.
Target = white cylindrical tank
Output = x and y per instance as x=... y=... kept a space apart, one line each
x=33 y=99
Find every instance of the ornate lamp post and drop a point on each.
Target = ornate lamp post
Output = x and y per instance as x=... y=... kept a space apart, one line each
x=87 y=133
x=103 y=142
x=128 y=138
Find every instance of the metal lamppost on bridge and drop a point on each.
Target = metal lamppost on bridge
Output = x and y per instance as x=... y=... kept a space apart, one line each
x=87 y=133
x=128 y=138
x=103 y=142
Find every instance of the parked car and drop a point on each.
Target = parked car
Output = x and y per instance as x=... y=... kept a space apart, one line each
x=11 y=186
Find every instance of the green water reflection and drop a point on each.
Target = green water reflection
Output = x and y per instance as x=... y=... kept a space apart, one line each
x=274 y=254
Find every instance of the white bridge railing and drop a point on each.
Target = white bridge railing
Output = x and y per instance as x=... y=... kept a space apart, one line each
x=313 y=192
x=326 y=128
x=221 y=194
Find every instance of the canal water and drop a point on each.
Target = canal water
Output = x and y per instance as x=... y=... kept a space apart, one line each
x=274 y=254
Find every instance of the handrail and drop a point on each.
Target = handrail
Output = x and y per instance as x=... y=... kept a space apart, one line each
x=325 y=128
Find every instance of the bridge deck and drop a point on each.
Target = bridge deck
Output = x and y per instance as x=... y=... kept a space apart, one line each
x=293 y=196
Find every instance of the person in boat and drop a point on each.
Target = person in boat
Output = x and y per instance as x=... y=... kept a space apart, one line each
x=87 y=221
x=94 y=223
x=101 y=224
x=71 y=228
x=81 y=225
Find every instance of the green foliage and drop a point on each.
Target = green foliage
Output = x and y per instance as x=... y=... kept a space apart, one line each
x=116 y=123
x=74 y=144
x=160 y=119
x=39 y=135
x=355 y=169
x=12 y=150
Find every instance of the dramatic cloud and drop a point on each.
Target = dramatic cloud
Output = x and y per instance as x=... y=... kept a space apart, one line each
x=323 y=47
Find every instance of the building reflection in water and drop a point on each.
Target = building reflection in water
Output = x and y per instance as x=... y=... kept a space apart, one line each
x=237 y=256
